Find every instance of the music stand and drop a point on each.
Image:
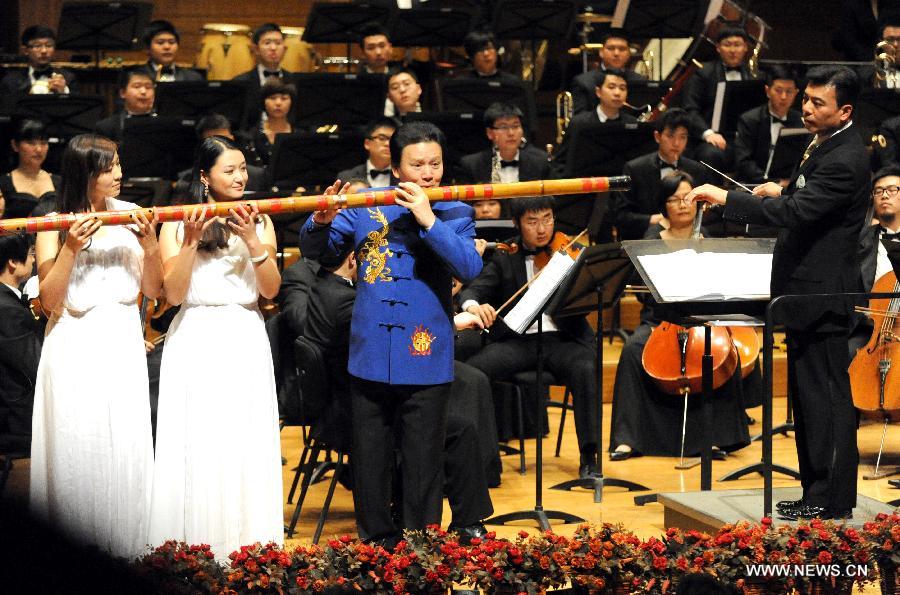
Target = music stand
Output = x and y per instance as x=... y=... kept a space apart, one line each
x=431 y=27
x=646 y=93
x=495 y=230
x=156 y=147
x=464 y=132
x=734 y=98
x=474 y=95
x=596 y=282
x=530 y=20
x=340 y=22
x=342 y=99
x=787 y=153
x=195 y=99
x=146 y=192
x=100 y=26
x=537 y=513
x=309 y=159
x=64 y=115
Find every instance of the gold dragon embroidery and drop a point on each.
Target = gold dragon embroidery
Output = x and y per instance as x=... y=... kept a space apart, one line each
x=377 y=269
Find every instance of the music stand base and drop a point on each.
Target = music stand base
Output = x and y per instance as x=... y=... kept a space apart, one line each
x=645 y=499
x=538 y=514
x=894 y=503
x=758 y=468
x=688 y=464
x=884 y=472
x=597 y=483
x=783 y=429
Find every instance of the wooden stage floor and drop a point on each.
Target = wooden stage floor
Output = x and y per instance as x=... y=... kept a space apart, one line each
x=517 y=492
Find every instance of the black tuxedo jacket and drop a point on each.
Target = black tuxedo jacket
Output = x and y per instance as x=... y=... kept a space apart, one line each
x=16 y=82
x=500 y=278
x=821 y=214
x=359 y=173
x=634 y=207
x=253 y=107
x=584 y=95
x=293 y=296
x=475 y=168
x=868 y=256
x=700 y=94
x=890 y=152
x=752 y=142
x=20 y=351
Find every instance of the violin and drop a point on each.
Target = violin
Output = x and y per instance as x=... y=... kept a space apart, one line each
x=874 y=381
x=558 y=242
x=510 y=248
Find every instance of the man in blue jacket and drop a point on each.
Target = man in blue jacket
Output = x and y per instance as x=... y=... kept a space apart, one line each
x=401 y=335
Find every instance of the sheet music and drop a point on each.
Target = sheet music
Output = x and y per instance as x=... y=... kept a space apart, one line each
x=524 y=312
x=786 y=132
x=690 y=275
x=718 y=106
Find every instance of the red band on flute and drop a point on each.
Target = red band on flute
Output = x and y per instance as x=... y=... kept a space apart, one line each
x=323 y=203
x=469 y=192
x=370 y=199
x=488 y=191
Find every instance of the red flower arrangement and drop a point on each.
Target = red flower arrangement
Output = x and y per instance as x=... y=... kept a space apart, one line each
x=176 y=567
x=352 y=565
x=664 y=561
x=884 y=535
x=425 y=562
x=259 y=568
x=603 y=557
x=527 y=565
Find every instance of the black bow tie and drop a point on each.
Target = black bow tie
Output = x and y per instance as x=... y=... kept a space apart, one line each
x=664 y=164
x=271 y=73
x=733 y=69
x=43 y=74
x=887 y=232
x=167 y=70
x=511 y=163
x=26 y=301
x=529 y=252
x=374 y=173
x=774 y=118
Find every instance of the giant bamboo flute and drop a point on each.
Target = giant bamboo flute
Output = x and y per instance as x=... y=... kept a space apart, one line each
x=300 y=204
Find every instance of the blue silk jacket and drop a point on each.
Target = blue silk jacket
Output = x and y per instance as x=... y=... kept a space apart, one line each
x=402 y=328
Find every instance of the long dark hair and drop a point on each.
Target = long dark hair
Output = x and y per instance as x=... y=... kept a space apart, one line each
x=216 y=235
x=85 y=157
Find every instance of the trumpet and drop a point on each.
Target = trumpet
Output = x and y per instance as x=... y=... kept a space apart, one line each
x=753 y=62
x=565 y=108
x=885 y=65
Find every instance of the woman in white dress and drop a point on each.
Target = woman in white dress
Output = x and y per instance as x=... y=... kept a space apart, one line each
x=217 y=478
x=92 y=452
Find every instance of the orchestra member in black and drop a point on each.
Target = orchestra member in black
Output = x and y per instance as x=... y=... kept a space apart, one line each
x=41 y=77
x=821 y=214
x=26 y=186
x=614 y=55
x=377 y=49
x=20 y=345
x=481 y=49
x=568 y=345
x=161 y=39
x=732 y=45
x=645 y=420
x=518 y=161
x=403 y=93
x=277 y=100
x=137 y=92
x=887 y=143
x=758 y=130
x=377 y=168
x=268 y=48
x=637 y=209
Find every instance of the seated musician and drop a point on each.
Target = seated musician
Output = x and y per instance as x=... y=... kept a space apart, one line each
x=510 y=158
x=268 y=48
x=614 y=55
x=637 y=209
x=216 y=125
x=758 y=130
x=481 y=49
x=644 y=419
x=20 y=345
x=886 y=201
x=403 y=93
x=568 y=345
x=331 y=299
x=377 y=49
x=887 y=74
x=41 y=77
x=732 y=45
x=277 y=99
x=29 y=184
x=161 y=39
x=137 y=92
x=887 y=145
x=376 y=171
x=612 y=94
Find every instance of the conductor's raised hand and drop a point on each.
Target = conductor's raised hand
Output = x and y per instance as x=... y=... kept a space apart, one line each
x=768 y=189
x=411 y=196
x=326 y=216
x=195 y=223
x=79 y=235
x=707 y=193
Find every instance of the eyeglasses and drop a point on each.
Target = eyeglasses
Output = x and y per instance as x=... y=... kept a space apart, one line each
x=676 y=200
x=508 y=128
x=382 y=138
x=535 y=223
x=889 y=191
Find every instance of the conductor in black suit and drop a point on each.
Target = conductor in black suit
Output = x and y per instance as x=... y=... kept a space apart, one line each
x=821 y=214
x=758 y=130
x=732 y=45
x=20 y=345
x=637 y=209
x=377 y=168
x=510 y=158
x=268 y=48
x=161 y=39
x=614 y=55
x=39 y=46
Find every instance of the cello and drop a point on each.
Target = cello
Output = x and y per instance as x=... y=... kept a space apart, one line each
x=874 y=373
